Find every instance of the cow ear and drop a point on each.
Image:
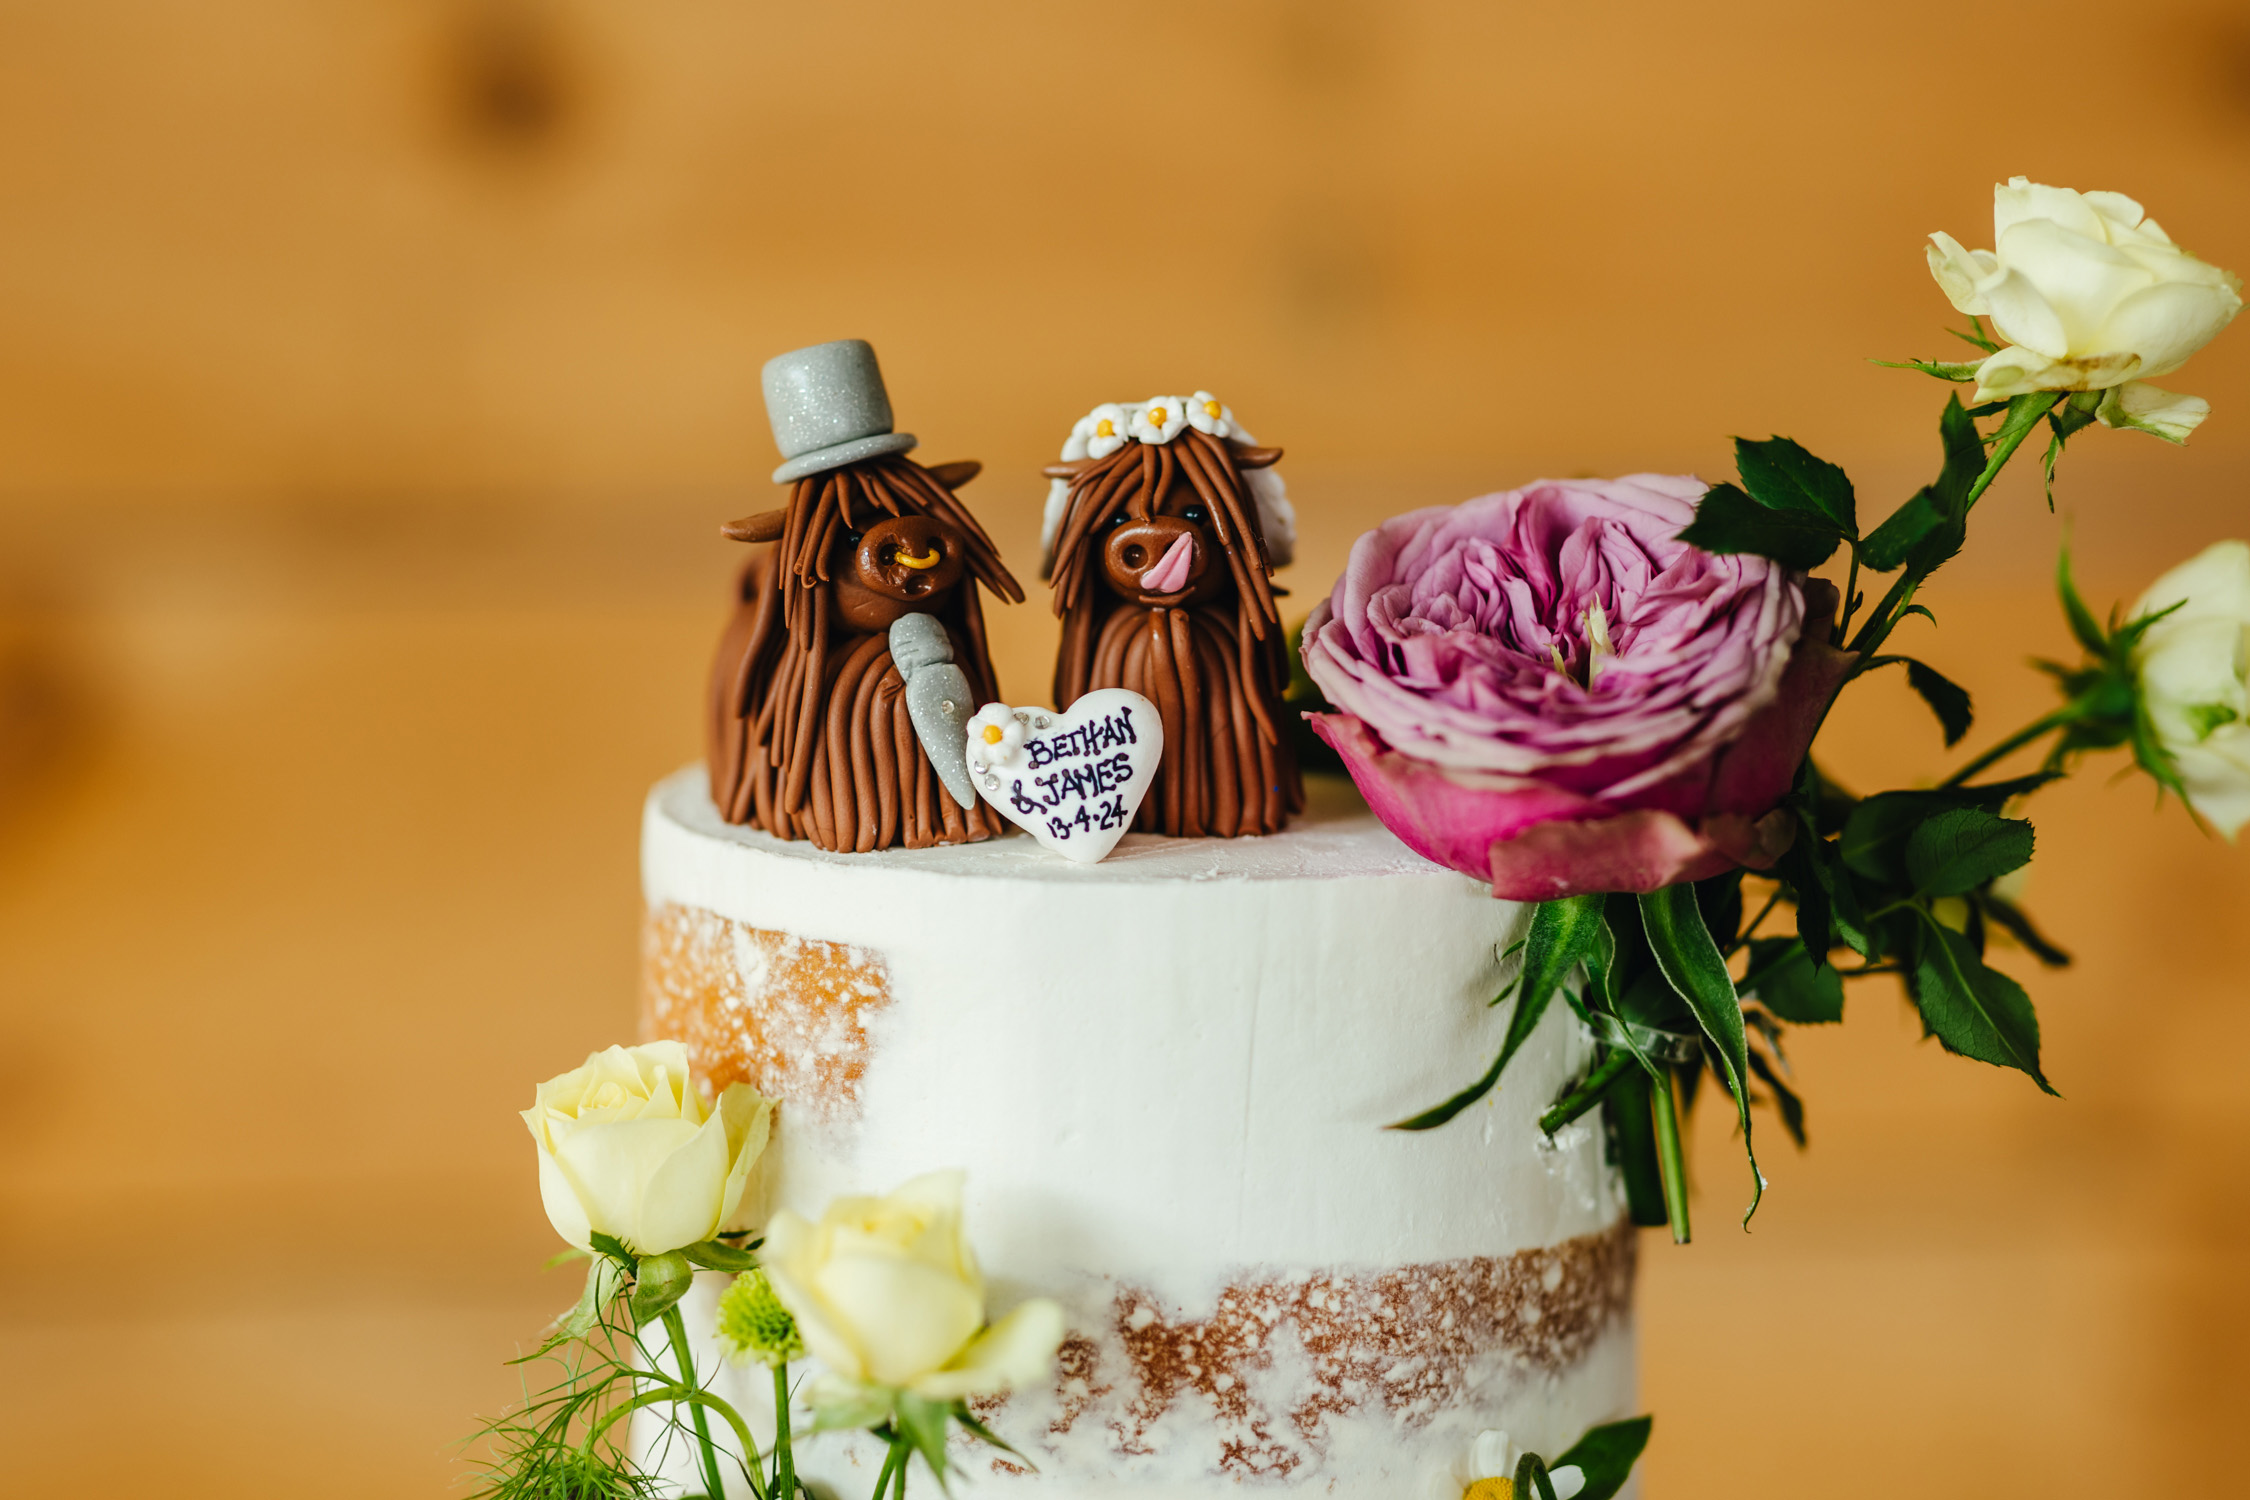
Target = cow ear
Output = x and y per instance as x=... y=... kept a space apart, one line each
x=765 y=526
x=1069 y=468
x=1253 y=458
x=956 y=473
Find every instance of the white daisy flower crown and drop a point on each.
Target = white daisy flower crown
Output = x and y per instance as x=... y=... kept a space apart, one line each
x=1160 y=419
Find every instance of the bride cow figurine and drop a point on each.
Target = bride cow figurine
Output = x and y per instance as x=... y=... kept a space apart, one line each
x=1164 y=525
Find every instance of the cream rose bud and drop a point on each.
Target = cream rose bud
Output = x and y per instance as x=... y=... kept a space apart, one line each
x=886 y=1293
x=627 y=1148
x=2090 y=291
x=2194 y=671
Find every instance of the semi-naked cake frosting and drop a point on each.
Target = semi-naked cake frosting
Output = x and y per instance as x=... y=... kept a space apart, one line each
x=1168 y=1076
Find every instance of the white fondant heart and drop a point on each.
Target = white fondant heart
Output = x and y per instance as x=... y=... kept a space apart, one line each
x=1072 y=780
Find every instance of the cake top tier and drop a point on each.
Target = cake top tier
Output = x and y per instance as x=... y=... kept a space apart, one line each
x=1337 y=838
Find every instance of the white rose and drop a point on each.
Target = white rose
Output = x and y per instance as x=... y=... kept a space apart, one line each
x=887 y=1294
x=627 y=1148
x=2091 y=293
x=2194 y=670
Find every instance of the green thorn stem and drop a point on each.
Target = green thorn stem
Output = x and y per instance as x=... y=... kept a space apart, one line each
x=784 y=1459
x=905 y=1456
x=883 y=1477
x=2044 y=726
x=2007 y=450
x=675 y=1332
x=1671 y=1166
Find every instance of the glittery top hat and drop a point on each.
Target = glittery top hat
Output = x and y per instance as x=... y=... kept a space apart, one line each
x=828 y=408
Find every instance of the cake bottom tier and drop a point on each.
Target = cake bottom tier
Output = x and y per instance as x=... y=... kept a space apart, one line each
x=1366 y=1384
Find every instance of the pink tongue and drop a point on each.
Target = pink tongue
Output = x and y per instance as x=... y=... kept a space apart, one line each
x=1170 y=574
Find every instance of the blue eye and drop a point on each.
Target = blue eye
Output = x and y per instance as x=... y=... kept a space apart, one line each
x=1195 y=515
x=1120 y=518
x=852 y=539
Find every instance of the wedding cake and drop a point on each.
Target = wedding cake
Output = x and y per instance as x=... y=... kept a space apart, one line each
x=1168 y=1076
x=1165 y=1060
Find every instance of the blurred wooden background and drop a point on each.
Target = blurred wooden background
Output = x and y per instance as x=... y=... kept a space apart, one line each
x=373 y=375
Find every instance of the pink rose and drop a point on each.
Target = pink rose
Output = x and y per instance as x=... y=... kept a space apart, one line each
x=1548 y=690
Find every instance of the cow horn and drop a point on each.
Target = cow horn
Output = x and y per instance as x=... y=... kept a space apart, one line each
x=765 y=526
x=956 y=473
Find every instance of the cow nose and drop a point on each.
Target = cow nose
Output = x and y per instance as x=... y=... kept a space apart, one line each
x=1157 y=556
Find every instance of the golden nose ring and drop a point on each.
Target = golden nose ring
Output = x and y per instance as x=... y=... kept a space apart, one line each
x=923 y=563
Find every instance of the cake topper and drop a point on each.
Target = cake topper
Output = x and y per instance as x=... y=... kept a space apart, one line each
x=1164 y=525
x=1071 y=780
x=843 y=682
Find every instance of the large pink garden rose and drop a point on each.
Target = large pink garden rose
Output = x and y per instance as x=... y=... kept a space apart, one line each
x=1548 y=690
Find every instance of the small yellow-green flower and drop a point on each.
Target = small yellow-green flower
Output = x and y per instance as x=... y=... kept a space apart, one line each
x=755 y=1324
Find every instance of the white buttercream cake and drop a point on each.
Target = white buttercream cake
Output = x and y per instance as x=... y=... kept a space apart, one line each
x=1168 y=1076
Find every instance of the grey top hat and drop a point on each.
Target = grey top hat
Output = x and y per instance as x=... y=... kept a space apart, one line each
x=828 y=408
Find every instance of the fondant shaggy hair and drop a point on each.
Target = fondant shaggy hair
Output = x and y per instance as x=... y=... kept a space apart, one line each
x=1215 y=669
x=809 y=736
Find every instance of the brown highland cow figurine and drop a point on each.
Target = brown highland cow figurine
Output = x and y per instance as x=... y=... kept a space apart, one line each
x=810 y=730
x=1164 y=527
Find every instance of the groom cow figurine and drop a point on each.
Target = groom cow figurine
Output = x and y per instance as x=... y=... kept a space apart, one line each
x=843 y=685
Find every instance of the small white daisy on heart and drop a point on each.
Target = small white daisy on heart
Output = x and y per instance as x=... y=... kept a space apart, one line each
x=995 y=737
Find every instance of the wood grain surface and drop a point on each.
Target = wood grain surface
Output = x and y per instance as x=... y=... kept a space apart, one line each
x=373 y=377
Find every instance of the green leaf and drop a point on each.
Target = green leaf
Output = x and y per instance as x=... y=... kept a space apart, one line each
x=1891 y=543
x=603 y=1278
x=1964 y=455
x=1974 y=1010
x=1976 y=336
x=1785 y=1098
x=1786 y=981
x=1781 y=475
x=661 y=1282
x=2009 y=916
x=1876 y=834
x=924 y=1423
x=1942 y=369
x=614 y=1248
x=1691 y=963
x=1962 y=848
x=1728 y=521
x=714 y=1256
x=853 y=1406
x=1606 y=1455
x=977 y=1429
x=1561 y=938
x=1946 y=698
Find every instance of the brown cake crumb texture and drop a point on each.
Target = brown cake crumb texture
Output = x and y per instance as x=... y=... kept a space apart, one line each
x=784 y=1014
x=1413 y=1342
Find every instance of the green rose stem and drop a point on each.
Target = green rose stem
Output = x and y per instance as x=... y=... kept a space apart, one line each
x=693 y=1396
x=1666 y=1111
x=675 y=1330
x=2023 y=415
x=894 y=1462
x=2061 y=718
x=784 y=1459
